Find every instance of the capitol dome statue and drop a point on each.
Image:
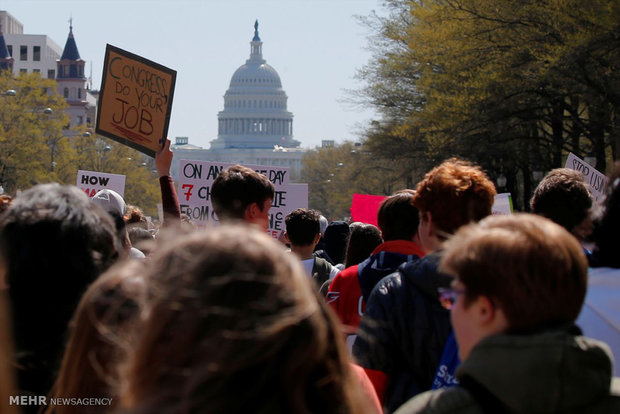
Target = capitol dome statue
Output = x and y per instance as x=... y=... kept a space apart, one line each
x=255 y=113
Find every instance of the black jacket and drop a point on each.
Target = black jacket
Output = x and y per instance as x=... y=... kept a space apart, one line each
x=404 y=329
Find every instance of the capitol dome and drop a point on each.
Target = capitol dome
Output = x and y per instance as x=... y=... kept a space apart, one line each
x=255 y=113
x=255 y=74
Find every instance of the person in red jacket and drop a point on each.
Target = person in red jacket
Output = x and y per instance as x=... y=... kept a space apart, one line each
x=398 y=221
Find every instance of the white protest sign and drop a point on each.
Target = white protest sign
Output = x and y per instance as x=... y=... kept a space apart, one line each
x=596 y=180
x=92 y=181
x=196 y=178
x=502 y=204
x=297 y=195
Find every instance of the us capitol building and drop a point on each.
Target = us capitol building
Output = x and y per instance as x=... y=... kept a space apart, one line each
x=255 y=126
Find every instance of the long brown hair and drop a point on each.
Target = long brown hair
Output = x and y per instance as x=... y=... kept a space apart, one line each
x=236 y=327
x=103 y=328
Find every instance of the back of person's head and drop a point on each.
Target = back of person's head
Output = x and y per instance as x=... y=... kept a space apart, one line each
x=528 y=266
x=235 y=188
x=302 y=226
x=110 y=201
x=121 y=231
x=364 y=238
x=54 y=242
x=104 y=327
x=324 y=223
x=563 y=197
x=456 y=192
x=397 y=217
x=607 y=225
x=335 y=238
x=134 y=217
x=231 y=311
x=141 y=239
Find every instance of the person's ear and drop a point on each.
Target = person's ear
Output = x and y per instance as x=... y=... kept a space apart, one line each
x=317 y=238
x=490 y=317
x=485 y=311
x=426 y=226
x=431 y=224
x=251 y=211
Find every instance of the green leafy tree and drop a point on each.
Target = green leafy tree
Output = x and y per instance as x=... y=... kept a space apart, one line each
x=511 y=85
x=335 y=173
x=31 y=118
x=96 y=153
x=35 y=148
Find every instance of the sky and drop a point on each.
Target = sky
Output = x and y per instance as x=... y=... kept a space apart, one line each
x=316 y=46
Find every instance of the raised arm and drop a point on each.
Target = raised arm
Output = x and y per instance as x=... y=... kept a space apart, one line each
x=169 y=199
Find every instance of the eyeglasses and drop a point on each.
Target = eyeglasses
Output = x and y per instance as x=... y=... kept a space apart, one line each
x=448 y=296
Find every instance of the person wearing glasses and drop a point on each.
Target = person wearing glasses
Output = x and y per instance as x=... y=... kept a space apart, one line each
x=404 y=329
x=520 y=283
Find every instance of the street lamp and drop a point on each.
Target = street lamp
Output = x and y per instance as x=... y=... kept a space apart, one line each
x=537 y=175
x=501 y=181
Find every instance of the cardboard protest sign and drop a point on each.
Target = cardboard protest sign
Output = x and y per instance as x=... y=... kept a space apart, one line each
x=92 y=181
x=364 y=208
x=502 y=204
x=135 y=100
x=196 y=178
x=596 y=180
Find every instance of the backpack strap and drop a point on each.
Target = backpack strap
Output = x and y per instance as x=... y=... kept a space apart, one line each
x=321 y=271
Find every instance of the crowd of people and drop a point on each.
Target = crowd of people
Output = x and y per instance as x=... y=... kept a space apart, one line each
x=442 y=307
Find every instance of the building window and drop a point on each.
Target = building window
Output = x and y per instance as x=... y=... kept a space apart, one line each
x=10 y=48
x=36 y=53
x=80 y=95
x=23 y=52
x=66 y=93
x=80 y=120
x=51 y=74
x=36 y=70
x=22 y=70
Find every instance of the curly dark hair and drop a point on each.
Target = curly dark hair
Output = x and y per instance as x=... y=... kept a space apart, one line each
x=302 y=226
x=563 y=197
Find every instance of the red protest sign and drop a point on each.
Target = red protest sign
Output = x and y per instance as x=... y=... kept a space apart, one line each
x=364 y=208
